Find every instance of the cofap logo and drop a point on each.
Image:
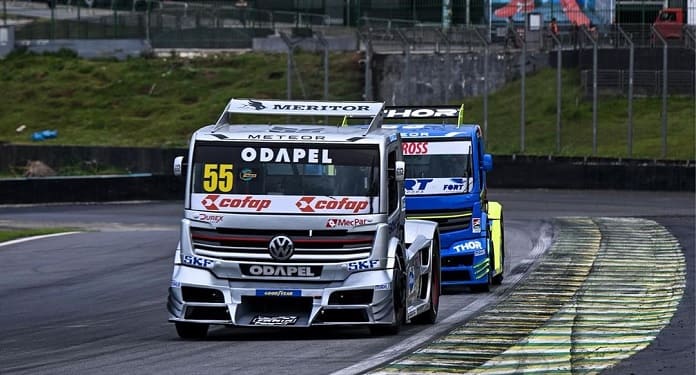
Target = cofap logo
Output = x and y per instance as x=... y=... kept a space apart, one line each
x=213 y=202
x=312 y=204
x=343 y=223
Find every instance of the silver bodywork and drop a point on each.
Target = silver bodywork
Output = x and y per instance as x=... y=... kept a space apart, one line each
x=229 y=267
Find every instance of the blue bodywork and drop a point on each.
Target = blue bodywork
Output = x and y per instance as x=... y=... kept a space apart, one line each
x=462 y=220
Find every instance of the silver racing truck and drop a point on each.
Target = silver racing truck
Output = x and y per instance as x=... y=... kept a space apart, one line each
x=293 y=224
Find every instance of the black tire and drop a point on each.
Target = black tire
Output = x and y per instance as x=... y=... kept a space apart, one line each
x=498 y=279
x=399 y=301
x=430 y=316
x=191 y=331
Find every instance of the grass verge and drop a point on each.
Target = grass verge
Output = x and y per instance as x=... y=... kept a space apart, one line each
x=159 y=102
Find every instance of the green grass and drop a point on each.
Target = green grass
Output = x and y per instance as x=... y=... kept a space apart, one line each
x=160 y=102
x=8 y=234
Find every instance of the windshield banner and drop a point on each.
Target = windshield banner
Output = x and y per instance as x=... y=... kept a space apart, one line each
x=436 y=148
x=283 y=204
x=437 y=186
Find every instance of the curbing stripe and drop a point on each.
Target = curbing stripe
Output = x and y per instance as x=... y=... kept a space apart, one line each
x=602 y=293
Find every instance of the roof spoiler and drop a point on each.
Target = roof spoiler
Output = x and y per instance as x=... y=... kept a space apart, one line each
x=372 y=110
x=427 y=112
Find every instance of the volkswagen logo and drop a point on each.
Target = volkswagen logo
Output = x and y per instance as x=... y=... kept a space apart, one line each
x=281 y=248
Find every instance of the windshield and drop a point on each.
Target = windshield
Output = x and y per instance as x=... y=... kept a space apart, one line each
x=296 y=174
x=437 y=167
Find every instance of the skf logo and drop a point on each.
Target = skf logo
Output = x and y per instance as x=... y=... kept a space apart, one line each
x=363 y=265
x=310 y=204
x=211 y=203
x=196 y=261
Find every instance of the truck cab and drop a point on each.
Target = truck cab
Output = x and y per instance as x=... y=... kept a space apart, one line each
x=446 y=167
x=289 y=224
x=670 y=23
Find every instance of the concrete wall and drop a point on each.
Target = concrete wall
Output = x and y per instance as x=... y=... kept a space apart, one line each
x=132 y=159
x=7 y=39
x=90 y=48
x=431 y=79
x=508 y=172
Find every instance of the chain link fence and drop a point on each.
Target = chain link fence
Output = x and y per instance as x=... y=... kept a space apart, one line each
x=472 y=56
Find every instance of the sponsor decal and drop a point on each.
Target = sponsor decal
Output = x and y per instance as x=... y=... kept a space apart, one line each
x=247 y=175
x=458 y=184
x=278 y=292
x=346 y=223
x=284 y=271
x=292 y=137
x=208 y=218
x=281 y=248
x=254 y=104
x=476 y=225
x=213 y=202
x=435 y=147
x=195 y=261
x=261 y=320
x=285 y=129
x=416 y=185
x=420 y=112
x=363 y=265
x=312 y=204
x=437 y=186
x=310 y=107
x=468 y=246
x=285 y=155
x=479 y=252
x=414 y=148
x=176 y=284
x=386 y=286
x=411 y=279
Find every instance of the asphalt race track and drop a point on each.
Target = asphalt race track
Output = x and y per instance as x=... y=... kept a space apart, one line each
x=94 y=301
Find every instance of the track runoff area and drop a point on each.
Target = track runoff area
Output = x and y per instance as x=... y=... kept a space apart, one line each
x=600 y=294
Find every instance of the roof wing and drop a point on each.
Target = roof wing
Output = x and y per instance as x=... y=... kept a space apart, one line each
x=372 y=110
x=440 y=111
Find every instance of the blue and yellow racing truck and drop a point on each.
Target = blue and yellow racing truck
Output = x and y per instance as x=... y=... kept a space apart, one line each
x=446 y=168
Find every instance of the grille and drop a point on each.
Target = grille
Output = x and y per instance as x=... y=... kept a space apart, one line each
x=448 y=276
x=207 y=313
x=351 y=297
x=342 y=316
x=319 y=246
x=447 y=221
x=466 y=260
x=192 y=294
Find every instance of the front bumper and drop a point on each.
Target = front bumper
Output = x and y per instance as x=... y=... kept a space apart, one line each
x=197 y=296
x=465 y=265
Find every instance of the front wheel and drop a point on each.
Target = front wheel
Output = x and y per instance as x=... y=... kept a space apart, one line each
x=399 y=301
x=191 y=331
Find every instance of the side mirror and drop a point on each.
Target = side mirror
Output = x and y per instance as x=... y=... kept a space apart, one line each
x=487 y=162
x=178 y=165
x=400 y=170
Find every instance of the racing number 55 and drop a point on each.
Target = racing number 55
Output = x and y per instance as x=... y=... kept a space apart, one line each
x=218 y=177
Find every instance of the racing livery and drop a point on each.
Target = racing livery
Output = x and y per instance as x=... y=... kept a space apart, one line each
x=446 y=168
x=297 y=225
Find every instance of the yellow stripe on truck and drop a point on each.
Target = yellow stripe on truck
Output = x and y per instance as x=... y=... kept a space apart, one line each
x=495 y=212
